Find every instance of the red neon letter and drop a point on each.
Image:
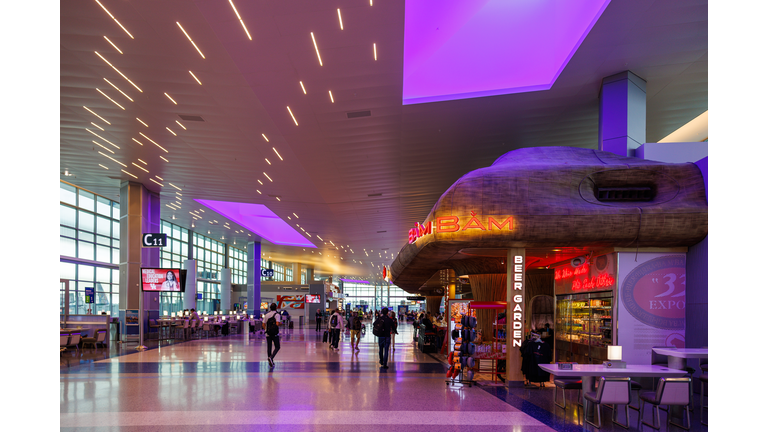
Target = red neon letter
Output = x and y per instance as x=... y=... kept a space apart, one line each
x=492 y=222
x=447 y=224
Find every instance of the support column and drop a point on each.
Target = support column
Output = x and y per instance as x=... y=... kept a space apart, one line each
x=433 y=304
x=254 y=278
x=487 y=287
x=189 y=298
x=226 y=288
x=296 y=267
x=310 y=275
x=139 y=214
x=515 y=315
x=622 y=114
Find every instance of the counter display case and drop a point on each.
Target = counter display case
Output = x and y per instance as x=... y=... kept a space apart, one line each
x=584 y=327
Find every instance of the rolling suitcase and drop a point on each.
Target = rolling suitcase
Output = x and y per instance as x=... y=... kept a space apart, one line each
x=325 y=336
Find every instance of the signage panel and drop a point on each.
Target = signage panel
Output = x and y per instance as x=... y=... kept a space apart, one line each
x=89 y=295
x=268 y=273
x=154 y=240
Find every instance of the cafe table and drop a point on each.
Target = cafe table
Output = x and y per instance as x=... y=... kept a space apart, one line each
x=588 y=373
x=676 y=357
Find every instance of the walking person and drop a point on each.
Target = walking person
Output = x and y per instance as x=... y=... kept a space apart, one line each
x=357 y=326
x=318 y=319
x=382 y=328
x=271 y=324
x=394 y=328
x=335 y=324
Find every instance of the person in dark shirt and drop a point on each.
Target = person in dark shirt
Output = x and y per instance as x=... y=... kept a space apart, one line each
x=385 y=341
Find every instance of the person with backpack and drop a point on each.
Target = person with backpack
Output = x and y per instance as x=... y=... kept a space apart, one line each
x=318 y=319
x=382 y=328
x=335 y=324
x=271 y=324
x=357 y=326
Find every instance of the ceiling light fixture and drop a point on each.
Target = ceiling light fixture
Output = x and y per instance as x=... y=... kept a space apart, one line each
x=115 y=46
x=193 y=76
x=113 y=159
x=375 y=57
x=258 y=191
x=139 y=142
x=118 y=71
x=141 y=161
x=341 y=24
x=123 y=93
x=169 y=130
x=265 y=175
x=139 y=166
x=100 y=117
x=156 y=181
x=331 y=95
x=177 y=193
x=128 y=173
x=291 y=113
x=316 y=50
x=171 y=207
x=115 y=145
x=295 y=215
x=174 y=186
x=260 y=182
x=169 y=97
x=182 y=126
x=278 y=198
x=110 y=99
x=160 y=179
x=265 y=138
x=164 y=159
x=100 y=145
x=241 y=20
x=190 y=39
x=97 y=126
x=112 y=16
x=142 y=123
x=161 y=148
x=268 y=161
x=278 y=154
x=103 y=166
x=302 y=87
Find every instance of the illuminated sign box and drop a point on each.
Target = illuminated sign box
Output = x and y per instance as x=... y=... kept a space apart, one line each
x=598 y=274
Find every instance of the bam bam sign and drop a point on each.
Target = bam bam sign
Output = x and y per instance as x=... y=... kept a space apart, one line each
x=447 y=224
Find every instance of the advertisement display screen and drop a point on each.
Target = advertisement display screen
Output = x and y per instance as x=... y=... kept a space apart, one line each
x=163 y=279
x=312 y=298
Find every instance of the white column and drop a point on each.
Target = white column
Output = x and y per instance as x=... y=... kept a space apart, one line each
x=226 y=289
x=190 y=288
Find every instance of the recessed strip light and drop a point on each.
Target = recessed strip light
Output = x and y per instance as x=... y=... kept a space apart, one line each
x=100 y=145
x=331 y=95
x=174 y=186
x=103 y=166
x=170 y=207
x=302 y=87
x=241 y=20
x=102 y=138
x=118 y=71
x=193 y=76
x=265 y=138
x=169 y=97
x=268 y=161
x=110 y=99
x=142 y=162
x=265 y=175
x=137 y=141
x=115 y=46
x=156 y=181
x=278 y=154
x=182 y=126
x=164 y=159
x=316 y=50
x=177 y=203
x=258 y=191
x=129 y=98
x=139 y=166
x=169 y=130
x=278 y=198
x=371 y=2
x=97 y=126
x=291 y=113
x=321 y=239
x=113 y=17
x=295 y=215
x=190 y=39
x=142 y=122
x=128 y=173
x=375 y=57
x=260 y=182
x=341 y=24
x=102 y=118
x=177 y=193
x=161 y=148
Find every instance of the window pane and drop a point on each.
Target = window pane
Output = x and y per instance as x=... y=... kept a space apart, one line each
x=103 y=274
x=67 y=247
x=115 y=275
x=106 y=241
x=84 y=272
x=103 y=253
x=85 y=250
x=115 y=243
x=84 y=235
x=66 y=271
x=115 y=256
x=116 y=229
x=86 y=201
x=85 y=221
x=184 y=236
x=100 y=287
x=103 y=226
x=103 y=207
x=116 y=210
x=68 y=232
x=67 y=216
x=67 y=194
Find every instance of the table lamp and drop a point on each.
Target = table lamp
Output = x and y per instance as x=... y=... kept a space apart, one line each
x=614 y=358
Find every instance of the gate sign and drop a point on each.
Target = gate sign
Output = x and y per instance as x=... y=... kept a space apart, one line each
x=154 y=240
x=267 y=273
x=89 y=295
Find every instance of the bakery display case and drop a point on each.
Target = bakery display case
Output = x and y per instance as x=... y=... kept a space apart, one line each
x=584 y=326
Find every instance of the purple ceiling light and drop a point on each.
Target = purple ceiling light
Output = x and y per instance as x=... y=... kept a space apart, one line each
x=474 y=48
x=259 y=219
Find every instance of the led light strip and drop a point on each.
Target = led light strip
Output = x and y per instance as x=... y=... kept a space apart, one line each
x=341 y=24
x=302 y=87
x=169 y=130
x=375 y=57
x=115 y=46
x=113 y=159
x=316 y=50
x=331 y=95
x=110 y=99
x=128 y=97
x=258 y=191
x=158 y=177
x=241 y=20
x=265 y=175
x=268 y=161
x=295 y=215
x=113 y=17
x=100 y=117
x=174 y=186
x=118 y=71
x=193 y=76
x=141 y=123
x=169 y=97
x=182 y=126
x=102 y=138
x=291 y=113
x=97 y=126
x=100 y=145
x=190 y=39
x=128 y=173
x=260 y=182
x=103 y=166
x=278 y=154
x=141 y=161
x=137 y=141
x=165 y=159
x=139 y=167
x=161 y=148
x=265 y=138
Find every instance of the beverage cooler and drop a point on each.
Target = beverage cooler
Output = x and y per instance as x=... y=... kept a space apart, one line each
x=585 y=310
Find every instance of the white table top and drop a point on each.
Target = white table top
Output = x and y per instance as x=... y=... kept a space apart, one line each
x=683 y=352
x=581 y=370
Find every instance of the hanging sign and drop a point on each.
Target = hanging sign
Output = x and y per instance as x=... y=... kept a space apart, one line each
x=447 y=224
x=268 y=273
x=89 y=295
x=154 y=240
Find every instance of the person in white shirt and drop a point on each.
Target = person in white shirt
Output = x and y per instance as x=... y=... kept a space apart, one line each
x=273 y=336
x=335 y=324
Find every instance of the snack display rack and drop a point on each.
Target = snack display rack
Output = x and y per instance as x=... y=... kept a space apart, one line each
x=462 y=362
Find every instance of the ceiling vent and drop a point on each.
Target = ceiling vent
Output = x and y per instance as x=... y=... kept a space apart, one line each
x=191 y=118
x=357 y=114
x=624 y=194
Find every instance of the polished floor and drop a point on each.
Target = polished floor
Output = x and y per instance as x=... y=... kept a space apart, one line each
x=225 y=383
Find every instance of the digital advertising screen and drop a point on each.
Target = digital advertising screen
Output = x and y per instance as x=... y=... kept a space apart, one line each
x=312 y=298
x=163 y=279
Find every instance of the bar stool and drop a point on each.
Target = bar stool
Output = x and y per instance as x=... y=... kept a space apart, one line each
x=704 y=378
x=611 y=390
x=670 y=391
x=567 y=384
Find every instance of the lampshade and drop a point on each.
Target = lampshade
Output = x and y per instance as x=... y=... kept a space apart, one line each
x=614 y=352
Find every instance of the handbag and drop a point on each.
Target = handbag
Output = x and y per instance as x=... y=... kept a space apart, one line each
x=325 y=336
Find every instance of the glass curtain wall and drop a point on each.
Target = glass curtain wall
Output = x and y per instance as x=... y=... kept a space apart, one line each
x=282 y=272
x=209 y=254
x=238 y=264
x=173 y=256
x=89 y=249
x=359 y=294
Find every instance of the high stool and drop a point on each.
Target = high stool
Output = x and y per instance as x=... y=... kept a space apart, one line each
x=704 y=378
x=613 y=391
x=670 y=391
x=635 y=386
x=567 y=384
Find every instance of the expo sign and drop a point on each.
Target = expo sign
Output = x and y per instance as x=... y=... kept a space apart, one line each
x=654 y=292
x=447 y=224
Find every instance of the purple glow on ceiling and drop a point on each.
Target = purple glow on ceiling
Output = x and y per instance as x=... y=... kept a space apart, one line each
x=460 y=49
x=259 y=219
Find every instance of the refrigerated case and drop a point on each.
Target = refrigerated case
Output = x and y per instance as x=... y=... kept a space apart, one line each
x=584 y=326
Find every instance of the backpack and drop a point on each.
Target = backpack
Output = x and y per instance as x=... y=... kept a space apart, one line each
x=334 y=320
x=272 y=328
x=378 y=328
x=357 y=324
